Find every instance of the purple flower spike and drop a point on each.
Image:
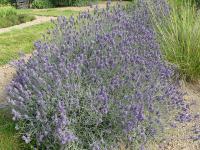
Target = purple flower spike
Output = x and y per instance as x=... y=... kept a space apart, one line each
x=95 y=80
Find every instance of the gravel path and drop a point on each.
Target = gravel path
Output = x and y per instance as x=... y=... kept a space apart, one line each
x=178 y=138
x=38 y=20
x=6 y=74
x=84 y=8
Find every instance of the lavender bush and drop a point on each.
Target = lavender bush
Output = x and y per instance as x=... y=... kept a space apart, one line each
x=98 y=82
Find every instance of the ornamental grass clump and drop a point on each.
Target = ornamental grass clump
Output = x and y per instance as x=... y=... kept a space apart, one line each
x=98 y=82
x=179 y=36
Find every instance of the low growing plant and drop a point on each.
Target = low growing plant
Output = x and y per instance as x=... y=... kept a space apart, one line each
x=97 y=82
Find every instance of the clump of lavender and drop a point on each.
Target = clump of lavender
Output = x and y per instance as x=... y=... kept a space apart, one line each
x=98 y=82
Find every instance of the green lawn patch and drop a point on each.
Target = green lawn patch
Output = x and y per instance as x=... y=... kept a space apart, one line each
x=16 y=41
x=9 y=138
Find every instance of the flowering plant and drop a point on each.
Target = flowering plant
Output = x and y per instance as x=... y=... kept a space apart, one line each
x=99 y=81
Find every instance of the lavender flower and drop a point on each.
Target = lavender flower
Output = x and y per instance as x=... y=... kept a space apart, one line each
x=26 y=138
x=98 y=78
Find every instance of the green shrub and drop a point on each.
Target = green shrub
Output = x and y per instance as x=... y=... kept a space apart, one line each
x=198 y=2
x=179 y=36
x=71 y=2
x=7 y=11
x=9 y=17
x=4 y=1
x=15 y=20
x=40 y=4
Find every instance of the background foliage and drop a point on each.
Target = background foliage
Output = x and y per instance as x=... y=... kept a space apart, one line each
x=71 y=2
x=10 y=17
x=5 y=1
x=40 y=4
x=57 y=3
x=52 y=3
